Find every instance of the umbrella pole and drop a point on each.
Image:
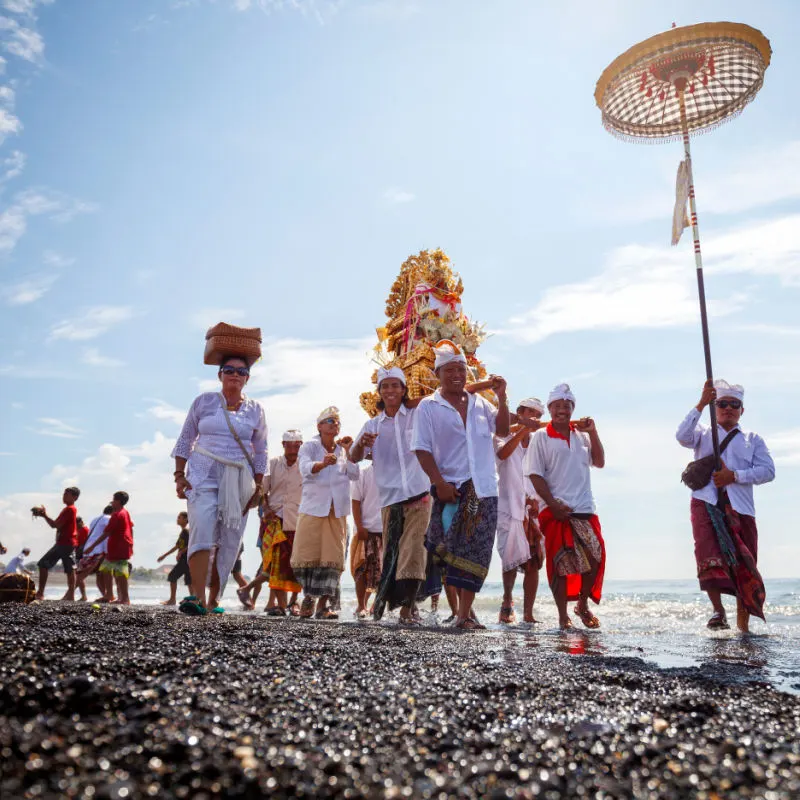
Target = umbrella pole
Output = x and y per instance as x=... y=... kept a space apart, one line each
x=701 y=290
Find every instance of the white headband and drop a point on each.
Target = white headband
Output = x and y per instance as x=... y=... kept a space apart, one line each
x=725 y=389
x=561 y=392
x=532 y=402
x=391 y=372
x=330 y=411
x=447 y=353
x=292 y=435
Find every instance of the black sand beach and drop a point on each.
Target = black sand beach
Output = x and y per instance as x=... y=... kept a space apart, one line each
x=137 y=703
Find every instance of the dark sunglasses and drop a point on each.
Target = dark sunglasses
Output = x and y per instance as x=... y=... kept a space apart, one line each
x=330 y=421
x=242 y=372
x=729 y=403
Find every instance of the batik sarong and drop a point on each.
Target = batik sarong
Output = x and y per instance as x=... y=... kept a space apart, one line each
x=570 y=547
x=318 y=553
x=281 y=574
x=404 y=556
x=365 y=560
x=726 y=552
x=464 y=545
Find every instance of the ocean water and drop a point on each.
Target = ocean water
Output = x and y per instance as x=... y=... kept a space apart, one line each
x=661 y=622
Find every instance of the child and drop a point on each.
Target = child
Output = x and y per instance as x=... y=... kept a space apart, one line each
x=119 y=532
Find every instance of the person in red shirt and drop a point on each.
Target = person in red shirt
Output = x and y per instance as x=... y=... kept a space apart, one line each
x=119 y=532
x=83 y=535
x=66 y=527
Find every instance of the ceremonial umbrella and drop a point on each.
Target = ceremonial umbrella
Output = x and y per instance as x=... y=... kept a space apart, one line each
x=683 y=80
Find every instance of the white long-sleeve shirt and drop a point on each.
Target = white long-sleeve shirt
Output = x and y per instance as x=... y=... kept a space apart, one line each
x=365 y=491
x=460 y=452
x=328 y=486
x=398 y=474
x=97 y=527
x=207 y=427
x=746 y=454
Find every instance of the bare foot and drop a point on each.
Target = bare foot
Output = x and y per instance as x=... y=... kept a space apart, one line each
x=168 y=603
x=565 y=624
x=119 y=602
x=68 y=598
x=38 y=596
x=531 y=619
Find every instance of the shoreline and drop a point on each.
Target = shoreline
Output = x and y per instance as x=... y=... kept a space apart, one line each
x=176 y=706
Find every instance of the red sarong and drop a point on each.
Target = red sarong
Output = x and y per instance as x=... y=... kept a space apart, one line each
x=558 y=540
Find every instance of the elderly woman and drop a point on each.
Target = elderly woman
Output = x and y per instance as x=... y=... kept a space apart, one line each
x=320 y=539
x=220 y=459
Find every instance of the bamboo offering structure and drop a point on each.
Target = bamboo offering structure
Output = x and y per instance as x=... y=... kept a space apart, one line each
x=684 y=80
x=423 y=309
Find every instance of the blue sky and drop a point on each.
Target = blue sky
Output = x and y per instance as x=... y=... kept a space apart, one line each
x=166 y=165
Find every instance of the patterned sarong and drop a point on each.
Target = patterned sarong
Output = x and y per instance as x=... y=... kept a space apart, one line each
x=726 y=551
x=365 y=560
x=281 y=575
x=569 y=544
x=465 y=545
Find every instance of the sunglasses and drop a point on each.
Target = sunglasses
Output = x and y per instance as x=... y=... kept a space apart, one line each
x=729 y=403
x=242 y=372
x=330 y=421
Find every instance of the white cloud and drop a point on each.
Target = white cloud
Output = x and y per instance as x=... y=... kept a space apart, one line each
x=36 y=202
x=58 y=428
x=54 y=259
x=9 y=122
x=25 y=7
x=655 y=287
x=162 y=410
x=398 y=196
x=92 y=323
x=92 y=357
x=21 y=41
x=29 y=291
x=785 y=447
x=12 y=166
x=204 y=318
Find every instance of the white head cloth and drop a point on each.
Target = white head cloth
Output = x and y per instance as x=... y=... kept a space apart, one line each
x=292 y=435
x=330 y=411
x=532 y=402
x=447 y=353
x=392 y=372
x=561 y=392
x=725 y=389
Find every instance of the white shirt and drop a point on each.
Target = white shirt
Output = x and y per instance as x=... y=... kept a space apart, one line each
x=284 y=485
x=746 y=454
x=365 y=491
x=564 y=467
x=511 y=480
x=96 y=529
x=330 y=485
x=16 y=564
x=460 y=452
x=398 y=474
x=207 y=427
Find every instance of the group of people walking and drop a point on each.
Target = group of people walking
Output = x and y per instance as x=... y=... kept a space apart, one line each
x=448 y=476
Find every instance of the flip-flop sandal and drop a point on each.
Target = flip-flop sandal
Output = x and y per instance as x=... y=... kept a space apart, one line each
x=409 y=622
x=275 y=612
x=190 y=598
x=192 y=608
x=360 y=614
x=718 y=622
x=587 y=618
x=218 y=610
x=450 y=619
x=470 y=624
x=326 y=614
x=294 y=609
x=507 y=615
x=307 y=608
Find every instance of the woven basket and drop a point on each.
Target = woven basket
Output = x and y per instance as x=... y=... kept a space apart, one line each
x=225 y=340
x=16 y=588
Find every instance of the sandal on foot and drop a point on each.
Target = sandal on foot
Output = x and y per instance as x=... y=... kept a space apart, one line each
x=307 y=609
x=326 y=613
x=192 y=608
x=587 y=618
x=218 y=610
x=507 y=615
x=275 y=612
x=360 y=614
x=451 y=618
x=718 y=622
x=294 y=609
x=409 y=622
x=470 y=624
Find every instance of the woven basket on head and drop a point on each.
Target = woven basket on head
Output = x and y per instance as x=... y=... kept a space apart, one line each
x=225 y=340
x=16 y=588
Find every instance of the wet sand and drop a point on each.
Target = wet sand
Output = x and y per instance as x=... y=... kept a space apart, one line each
x=140 y=702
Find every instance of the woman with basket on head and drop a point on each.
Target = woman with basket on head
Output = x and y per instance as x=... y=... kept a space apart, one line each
x=220 y=460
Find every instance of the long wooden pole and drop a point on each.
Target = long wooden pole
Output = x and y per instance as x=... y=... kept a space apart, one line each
x=698 y=258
